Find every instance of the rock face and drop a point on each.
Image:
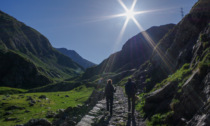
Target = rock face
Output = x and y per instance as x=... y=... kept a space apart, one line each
x=135 y=52
x=177 y=46
x=76 y=57
x=27 y=57
x=188 y=42
x=38 y=122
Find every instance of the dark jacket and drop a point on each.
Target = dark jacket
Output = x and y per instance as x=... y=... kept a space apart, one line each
x=130 y=88
x=109 y=90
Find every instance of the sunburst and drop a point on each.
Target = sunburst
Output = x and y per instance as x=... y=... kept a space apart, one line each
x=130 y=15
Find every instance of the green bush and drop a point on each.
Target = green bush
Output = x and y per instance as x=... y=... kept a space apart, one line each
x=203 y=37
x=140 y=104
x=173 y=103
x=203 y=68
x=205 y=44
x=159 y=119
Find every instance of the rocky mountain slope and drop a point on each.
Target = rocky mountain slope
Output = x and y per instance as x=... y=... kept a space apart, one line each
x=176 y=77
x=134 y=52
x=176 y=48
x=76 y=57
x=27 y=57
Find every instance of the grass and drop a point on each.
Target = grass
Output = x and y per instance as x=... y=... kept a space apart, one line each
x=54 y=101
x=159 y=119
x=179 y=76
x=46 y=66
x=8 y=90
x=124 y=81
x=140 y=104
x=204 y=64
x=173 y=103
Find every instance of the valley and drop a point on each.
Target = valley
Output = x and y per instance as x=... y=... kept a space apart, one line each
x=47 y=86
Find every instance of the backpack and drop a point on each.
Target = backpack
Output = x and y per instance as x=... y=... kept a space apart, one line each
x=130 y=88
x=109 y=90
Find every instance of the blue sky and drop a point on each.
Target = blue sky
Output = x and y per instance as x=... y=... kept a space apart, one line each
x=83 y=26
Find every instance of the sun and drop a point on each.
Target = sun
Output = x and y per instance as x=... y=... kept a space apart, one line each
x=129 y=14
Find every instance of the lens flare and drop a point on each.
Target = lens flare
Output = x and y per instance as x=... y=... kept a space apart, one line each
x=130 y=14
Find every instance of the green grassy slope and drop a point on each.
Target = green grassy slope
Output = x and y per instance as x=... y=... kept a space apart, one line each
x=53 y=102
x=32 y=49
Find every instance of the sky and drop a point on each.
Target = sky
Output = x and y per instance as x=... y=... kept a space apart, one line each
x=87 y=26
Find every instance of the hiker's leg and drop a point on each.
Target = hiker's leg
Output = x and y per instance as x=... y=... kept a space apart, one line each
x=107 y=103
x=133 y=104
x=129 y=104
x=111 y=105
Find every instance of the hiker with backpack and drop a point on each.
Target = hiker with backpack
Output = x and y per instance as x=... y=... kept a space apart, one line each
x=130 y=89
x=109 y=92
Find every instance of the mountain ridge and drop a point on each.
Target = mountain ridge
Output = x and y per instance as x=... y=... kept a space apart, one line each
x=130 y=57
x=33 y=49
x=76 y=57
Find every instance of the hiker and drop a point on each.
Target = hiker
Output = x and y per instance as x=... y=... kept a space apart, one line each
x=130 y=89
x=109 y=92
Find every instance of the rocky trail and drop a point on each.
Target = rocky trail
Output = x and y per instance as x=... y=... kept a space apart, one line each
x=98 y=116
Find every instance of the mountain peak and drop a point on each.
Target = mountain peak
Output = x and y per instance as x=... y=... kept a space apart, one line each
x=76 y=57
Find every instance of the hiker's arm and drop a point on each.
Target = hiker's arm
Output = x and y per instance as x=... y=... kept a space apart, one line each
x=115 y=89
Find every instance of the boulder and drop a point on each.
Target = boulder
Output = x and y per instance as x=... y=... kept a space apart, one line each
x=29 y=98
x=15 y=107
x=159 y=100
x=38 y=122
x=10 y=119
x=66 y=96
x=50 y=114
x=202 y=118
x=42 y=97
x=7 y=113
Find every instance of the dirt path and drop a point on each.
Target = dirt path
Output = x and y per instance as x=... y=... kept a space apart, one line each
x=98 y=116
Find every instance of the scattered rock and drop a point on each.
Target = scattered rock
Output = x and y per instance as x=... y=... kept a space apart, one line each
x=60 y=113
x=15 y=107
x=18 y=120
x=27 y=111
x=69 y=109
x=8 y=113
x=42 y=97
x=60 y=110
x=29 y=98
x=79 y=106
x=32 y=102
x=10 y=119
x=38 y=122
x=66 y=96
x=21 y=95
x=3 y=103
x=50 y=114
